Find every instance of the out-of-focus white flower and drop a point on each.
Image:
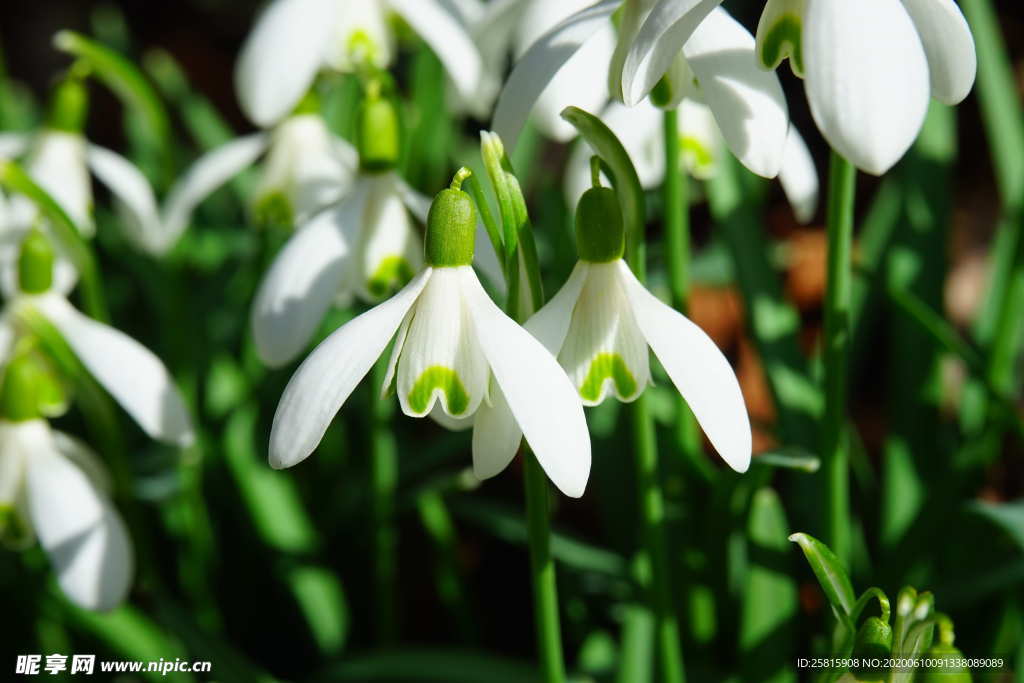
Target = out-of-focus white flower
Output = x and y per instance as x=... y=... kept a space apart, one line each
x=700 y=51
x=293 y=39
x=870 y=66
x=455 y=350
x=306 y=167
x=53 y=487
x=639 y=129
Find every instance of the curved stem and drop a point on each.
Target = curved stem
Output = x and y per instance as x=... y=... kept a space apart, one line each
x=835 y=465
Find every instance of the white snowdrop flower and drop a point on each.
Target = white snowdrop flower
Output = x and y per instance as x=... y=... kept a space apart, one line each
x=54 y=488
x=870 y=67
x=306 y=167
x=130 y=372
x=693 y=47
x=639 y=129
x=455 y=351
x=602 y=324
x=293 y=39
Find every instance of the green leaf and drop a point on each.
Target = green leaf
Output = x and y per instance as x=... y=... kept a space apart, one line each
x=1008 y=516
x=447 y=666
x=830 y=572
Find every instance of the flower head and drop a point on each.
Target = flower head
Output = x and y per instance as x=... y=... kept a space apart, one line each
x=454 y=351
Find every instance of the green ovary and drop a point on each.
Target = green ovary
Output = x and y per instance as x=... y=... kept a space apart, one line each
x=392 y=273
x=604 y=366
x=445 y=379
x=784 y=39
x=274 y=209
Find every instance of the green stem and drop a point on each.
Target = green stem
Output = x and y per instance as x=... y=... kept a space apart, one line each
x=542 y=570
x=677 y=243
x=384 y=464
x=842 y=188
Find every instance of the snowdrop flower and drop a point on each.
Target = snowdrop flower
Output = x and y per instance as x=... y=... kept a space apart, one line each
x=294 y=39
x=56 y=489
x=59 y=159
x=305 y=168
x=696 y=49
x=454 y=352
x=135 y=377
x=364 y=245
x=601 y=324
x=640 y=130
x=870 y=67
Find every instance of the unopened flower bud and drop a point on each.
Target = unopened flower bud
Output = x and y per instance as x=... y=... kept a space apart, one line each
x=873 y=642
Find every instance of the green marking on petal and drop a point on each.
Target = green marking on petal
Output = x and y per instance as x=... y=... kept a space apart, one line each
x=785 y=39
x=394 y=272
x=445 y=379
x=361 y=47
x=697 y=154
x=604 y=366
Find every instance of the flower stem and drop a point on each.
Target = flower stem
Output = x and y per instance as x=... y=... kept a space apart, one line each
x=677 y=244
x=384 y=465
x=842 y=188
x=542 y=570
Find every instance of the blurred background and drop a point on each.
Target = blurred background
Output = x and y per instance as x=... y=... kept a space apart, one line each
x=271 y=574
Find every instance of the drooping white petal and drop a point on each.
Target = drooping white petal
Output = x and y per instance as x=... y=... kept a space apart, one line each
x=866 y=79
x=799 y=177
x=57 y=164
x=540 y=396
x=780 y=34
x=441 y=359
x=447 y=37
x=667 y=28
x=134 y=195
x=551 y=323
x=135 y=377
x=207 y=174
x=13 y=145
x=302 y=282
x=496 y=436
x=85 y=459
x=630 y=21
x=389 y=250
x=698 y=369
x=700 y=138
x=535 y=70
x=748 y=102
x=604 y=351
x=83 y=535
x=325 y=379
x=948 y=45
x=452 y=424
x=361 y=37
x=491 y=27
x=13 y=457
x=281 y=56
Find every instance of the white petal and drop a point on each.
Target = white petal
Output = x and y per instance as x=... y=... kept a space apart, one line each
x=281 y=56
x=700 y=138
x=748 y=102
x=540 y=63
x=540 y=396
x=604 y=351
x=441 y=359
x=948 y=45
x=491 y=27
x=207 y=174
x=85 y=459
x=551 y=323
x=866 y=79
x=13 y=145
x=389 y=249
x=18 y=442
x=496 y=436
x=7 y=338
x=302 y=282
x=698 y=369
x=57 y=164
x=630 y=21
x=362 y=36
x=447 y=37
x=662 y=36
x=780 y=30
x=799 y=177
x=134 y=194
x=453 y=424
x=135 y=377
x=325 y=379
x=80 y=531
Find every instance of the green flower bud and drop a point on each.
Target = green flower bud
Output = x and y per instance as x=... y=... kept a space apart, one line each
x=943 y=674
x=600 y=234
x=19 y=395
x=451 y=226
x=69 y=105
x=873 y=641
x=35 y=263
x=377 y=134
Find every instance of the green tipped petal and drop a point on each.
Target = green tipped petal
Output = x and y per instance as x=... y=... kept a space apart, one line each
x=607 y=366
x=445 y=380
x=780 y=35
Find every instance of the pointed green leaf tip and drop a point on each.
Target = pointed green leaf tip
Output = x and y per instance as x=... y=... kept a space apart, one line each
x=451 y=226
x=69 y=105
x=829 y=570
x=377 y=132
x=600 y=235
x=35 y=263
